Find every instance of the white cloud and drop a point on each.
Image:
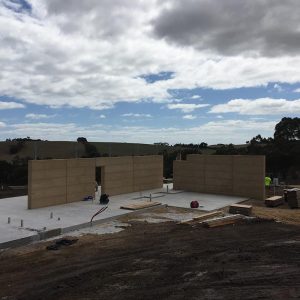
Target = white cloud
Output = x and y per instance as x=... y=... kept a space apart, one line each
x=196 y=97
x=33 y=116
x=261 y=106
x=186 y=107
x=189 y=117
x=137 y=115
x=49 y=131
x=2 y=125
x=227 y=131
x=219 y=117
x=236 y=131
x=296 y=90
x=69 y=53
x=257 y=118
x=102 y=116
x=10 y=105
x=232 y=27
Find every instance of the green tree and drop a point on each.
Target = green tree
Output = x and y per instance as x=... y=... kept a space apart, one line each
x=91 y=150
x=5 y=171
x=82 y=140
x=288 y=129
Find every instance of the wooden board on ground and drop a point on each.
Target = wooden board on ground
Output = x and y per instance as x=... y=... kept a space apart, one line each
x=223 y=221
x=203 y=217
x=274 y=201
x=210 y=215
x=240 y=209
x=140 y=205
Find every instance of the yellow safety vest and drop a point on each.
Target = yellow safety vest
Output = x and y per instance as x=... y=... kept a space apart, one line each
x=267 y=181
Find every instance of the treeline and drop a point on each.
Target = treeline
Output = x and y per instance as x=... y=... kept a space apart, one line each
x=15 y=172
x=19 y=143
x=90 y=149
x=192 y=146
x=169 y=156
x=282 y=153
x=27 y=139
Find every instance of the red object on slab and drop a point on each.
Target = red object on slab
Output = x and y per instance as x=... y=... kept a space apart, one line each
x=194 y=204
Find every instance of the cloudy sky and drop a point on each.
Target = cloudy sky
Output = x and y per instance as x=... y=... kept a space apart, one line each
x=218 y=71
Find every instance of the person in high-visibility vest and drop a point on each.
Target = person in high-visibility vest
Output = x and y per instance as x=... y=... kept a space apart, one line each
x=268 y=181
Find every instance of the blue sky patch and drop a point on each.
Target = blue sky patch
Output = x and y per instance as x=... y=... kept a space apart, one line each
x=18 y=6
x=151 y=78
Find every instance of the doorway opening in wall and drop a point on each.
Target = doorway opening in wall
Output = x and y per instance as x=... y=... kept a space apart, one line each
x=98 y=181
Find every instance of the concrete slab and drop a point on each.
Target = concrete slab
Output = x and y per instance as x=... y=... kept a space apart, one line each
x=207 y=202
x=71 y=216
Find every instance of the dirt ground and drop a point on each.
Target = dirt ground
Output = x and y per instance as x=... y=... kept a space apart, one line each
x=280 y=213
x=161 y=261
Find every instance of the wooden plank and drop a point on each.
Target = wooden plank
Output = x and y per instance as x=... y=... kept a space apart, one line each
x=274 y=198
x=223 y=221
x=207 y=216
x=203 y=217
x=188 y=221
x=140 y=205
x=274 y=201
x=240 y=209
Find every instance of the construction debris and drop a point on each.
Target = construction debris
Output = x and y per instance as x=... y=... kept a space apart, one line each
x=101 y=210
x=204 y=217
x=60 y=243
x=233 y=219
x=207 y=216
x=293 y=197
x=240 y=209
x=274 y=201
x=194 y=204
x=140 y=205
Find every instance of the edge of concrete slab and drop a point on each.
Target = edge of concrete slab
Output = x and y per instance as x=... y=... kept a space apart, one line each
x=43 y=235
x=19 y=242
